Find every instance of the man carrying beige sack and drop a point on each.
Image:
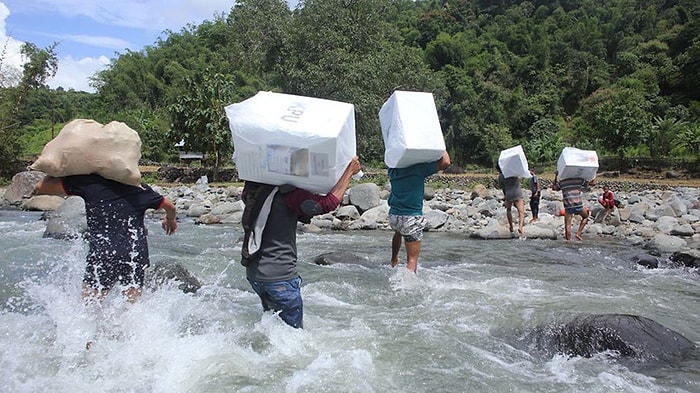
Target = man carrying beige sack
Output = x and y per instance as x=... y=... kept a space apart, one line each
x=115 y=208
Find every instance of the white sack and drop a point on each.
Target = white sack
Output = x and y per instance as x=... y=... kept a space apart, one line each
x=513 y=162
x=411 y=129
x=576 y=163
x=286 y=139
x=85 y=146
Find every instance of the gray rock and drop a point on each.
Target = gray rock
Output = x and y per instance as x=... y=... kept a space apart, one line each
x=539 y=232
x=21 y=187
x=685 y=230
x=666 y=243
x=646 y=260
x=227 y=208
x=627 y=336
x=379 y=214
x=364 y=196
x=435 y=219
x=207 y=219
x=350 y=212
x=68 y=221
x=43 y=203
x=198 y=210
x=688 y=257
x=163 y=273
x=335 y=257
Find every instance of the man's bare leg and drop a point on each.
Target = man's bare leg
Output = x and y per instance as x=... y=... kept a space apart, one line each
x=412 y=252
x=521 y=215
x=509 y=215
x=132 y=294
x=395 y=248
x=584 y=220
x=567 y=225
x=92 y=295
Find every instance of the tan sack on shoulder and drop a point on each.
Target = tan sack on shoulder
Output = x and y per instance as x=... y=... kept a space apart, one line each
x=86 y=146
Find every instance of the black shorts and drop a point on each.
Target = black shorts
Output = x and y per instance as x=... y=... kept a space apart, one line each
x=104 y=275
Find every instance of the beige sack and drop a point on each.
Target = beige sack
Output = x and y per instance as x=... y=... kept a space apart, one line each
x=86 y=146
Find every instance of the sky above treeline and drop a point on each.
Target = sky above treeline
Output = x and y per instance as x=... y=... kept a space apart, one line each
x=90 y=33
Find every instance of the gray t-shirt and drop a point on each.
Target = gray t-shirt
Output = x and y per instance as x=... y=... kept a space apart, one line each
x=511 y=187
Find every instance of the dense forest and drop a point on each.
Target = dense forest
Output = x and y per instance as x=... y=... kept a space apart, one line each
x=621 y=77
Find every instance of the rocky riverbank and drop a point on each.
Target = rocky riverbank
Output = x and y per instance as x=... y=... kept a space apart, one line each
x=662 y=220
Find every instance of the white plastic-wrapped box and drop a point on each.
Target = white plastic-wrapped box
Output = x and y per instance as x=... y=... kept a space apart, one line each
x=411 y=129
x=576 y=163
x=513 y=162
x=287 y=139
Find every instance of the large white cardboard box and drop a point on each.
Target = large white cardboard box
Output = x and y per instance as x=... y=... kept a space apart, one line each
x=513 y=162
x=576 y=163
x=287 y=139
x=411 y=129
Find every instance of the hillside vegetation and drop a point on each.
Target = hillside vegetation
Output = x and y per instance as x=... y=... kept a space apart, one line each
x=621 y=77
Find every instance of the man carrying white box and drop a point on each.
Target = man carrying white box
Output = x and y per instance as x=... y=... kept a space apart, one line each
x=575 y=169
x=297 y=156
x=414 y=150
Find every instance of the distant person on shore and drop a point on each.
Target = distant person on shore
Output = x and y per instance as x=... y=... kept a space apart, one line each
x=607 y=200
x=571 y=190
x=269 y=251
x=116 y=233
x=534 y=196
x=513 y=195
x=406 y=208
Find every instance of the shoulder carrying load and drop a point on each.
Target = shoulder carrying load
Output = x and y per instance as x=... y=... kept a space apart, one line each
x=85 y=146
x=576 y=163
x=513 y=162
x=411 y=129
x=286 y=139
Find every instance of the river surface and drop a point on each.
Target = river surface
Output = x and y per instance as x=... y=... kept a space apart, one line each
x=368 y=327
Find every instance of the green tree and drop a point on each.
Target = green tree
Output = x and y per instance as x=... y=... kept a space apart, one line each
x=617 y=118
x=689 y=139
x=199 y=118
x=40 y=65
x=663 y=135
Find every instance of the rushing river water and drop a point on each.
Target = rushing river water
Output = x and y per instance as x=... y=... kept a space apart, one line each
x=368 y=327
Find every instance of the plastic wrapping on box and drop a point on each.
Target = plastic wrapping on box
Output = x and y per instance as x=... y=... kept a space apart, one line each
x=85 y=146
x=411 y=129
x=287 y=139
x=576 y=163
x=513 y=162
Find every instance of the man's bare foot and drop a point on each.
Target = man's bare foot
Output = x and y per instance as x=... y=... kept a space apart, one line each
x=520 y=232
x=533 y=220
x=395 y=262
x=578 y=237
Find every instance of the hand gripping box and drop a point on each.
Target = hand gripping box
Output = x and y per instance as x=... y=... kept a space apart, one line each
x=286 y=139
x=513 y=162
x=575 y=163
x=411 y=129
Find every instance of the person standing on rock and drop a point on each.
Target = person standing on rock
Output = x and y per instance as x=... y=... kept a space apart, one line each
x=571 y=190
x=513 y=195
x=116 y=234
x=534 y=196
x=406 y=207
x=269 y=250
